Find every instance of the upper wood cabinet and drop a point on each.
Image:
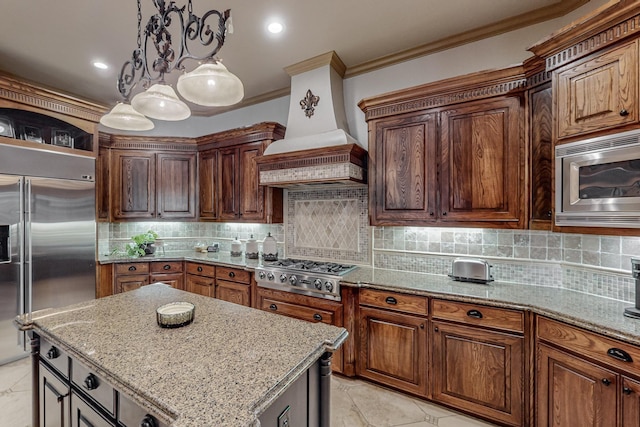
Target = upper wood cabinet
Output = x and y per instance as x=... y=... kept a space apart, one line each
x=599 y=92
x=41 y=119
x=449 y=153
x=229 y=182
x=148 y=178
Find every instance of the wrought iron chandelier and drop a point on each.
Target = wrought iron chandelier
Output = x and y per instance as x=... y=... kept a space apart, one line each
x=210 y=84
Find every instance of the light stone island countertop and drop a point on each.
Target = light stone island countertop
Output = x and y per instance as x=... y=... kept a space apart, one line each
x=224 y=369
x=597 y=314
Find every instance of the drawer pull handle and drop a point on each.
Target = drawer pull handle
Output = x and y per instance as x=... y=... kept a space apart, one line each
x=475 y=314
x=199 y=269
x=606 y=381
x=273 y=307
x=232 y=274
x=391 y=300
x=624 y=112
x=167 y=267
x=626 y=390
x=91 y=382
x=132 y=268
x=619 y=354
x=317 y=317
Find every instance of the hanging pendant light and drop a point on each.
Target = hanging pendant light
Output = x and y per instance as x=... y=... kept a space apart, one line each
x=124 y=117
x=211 y=85
x=160 y=102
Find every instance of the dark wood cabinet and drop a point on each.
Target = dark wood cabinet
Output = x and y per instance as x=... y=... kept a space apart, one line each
x=168 y=272
x=233 y=285
x=393 y=340
x=403 y=169
x=133 y=275
x=443 y=154
x=229 y=180
x=200 y=279
x=209 y=191
x=598 y=92
x=583 y=378
x=148 y=179
x=481 y=157
x=572 y=391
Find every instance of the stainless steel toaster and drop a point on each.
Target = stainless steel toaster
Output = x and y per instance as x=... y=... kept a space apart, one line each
x=471 y=270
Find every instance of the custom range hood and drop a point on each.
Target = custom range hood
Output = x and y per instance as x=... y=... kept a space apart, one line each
x=317 y=148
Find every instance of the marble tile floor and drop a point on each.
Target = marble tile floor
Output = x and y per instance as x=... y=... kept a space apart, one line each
x=354 y=403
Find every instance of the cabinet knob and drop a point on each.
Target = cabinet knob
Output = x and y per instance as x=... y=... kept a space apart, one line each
x=624 y=112
x=91 y=382
x=606 y=381
x=148 y=421
x=421 y=325
x=444 y=213
x=391 y=300
x=132 y=268
x=627 y=390
x=232 y=274
x=199 y=269
x=166 y=267
x=273 y=307
x=432 y=213
x=436 y=329
x=317 y=317
x=53 y=353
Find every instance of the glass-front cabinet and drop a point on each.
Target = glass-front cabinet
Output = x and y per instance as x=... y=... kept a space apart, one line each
x=39 y=118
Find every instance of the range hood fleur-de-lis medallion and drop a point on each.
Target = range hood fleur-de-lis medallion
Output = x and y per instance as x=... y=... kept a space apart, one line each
x=308 y=103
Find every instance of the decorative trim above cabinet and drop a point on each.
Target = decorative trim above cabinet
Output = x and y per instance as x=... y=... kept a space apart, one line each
x=442 y=93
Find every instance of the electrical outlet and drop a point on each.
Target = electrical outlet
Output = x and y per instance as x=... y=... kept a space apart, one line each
x=283 y=418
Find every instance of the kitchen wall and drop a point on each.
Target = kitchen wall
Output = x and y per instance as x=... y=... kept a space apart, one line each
x=332 y=224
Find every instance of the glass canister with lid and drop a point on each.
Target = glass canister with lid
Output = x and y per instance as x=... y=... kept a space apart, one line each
x=269 y=248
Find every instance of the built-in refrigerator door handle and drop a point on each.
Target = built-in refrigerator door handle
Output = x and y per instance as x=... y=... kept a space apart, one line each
x=26 y=250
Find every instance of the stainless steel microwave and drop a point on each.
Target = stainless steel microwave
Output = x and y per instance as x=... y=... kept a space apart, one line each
x=598 y=182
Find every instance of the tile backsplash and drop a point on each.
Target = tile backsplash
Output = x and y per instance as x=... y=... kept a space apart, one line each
x=332 y=224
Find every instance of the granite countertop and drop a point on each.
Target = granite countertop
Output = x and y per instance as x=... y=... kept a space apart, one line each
x=224 y=369
x=594 y=313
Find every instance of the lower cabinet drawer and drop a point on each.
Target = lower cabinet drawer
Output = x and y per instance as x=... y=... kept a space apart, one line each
x=55 y=357
x=93 y=386
x=588 y=344
x=478 y=315
x=166 y=267
x=412 y=304
x=297 y=311
x=233 y=274
x=132 y=268
x=201 y=269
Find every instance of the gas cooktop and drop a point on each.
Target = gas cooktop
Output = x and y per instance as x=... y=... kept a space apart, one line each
x=312 y=266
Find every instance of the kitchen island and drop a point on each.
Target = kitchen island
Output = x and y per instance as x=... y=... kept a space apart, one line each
x=227 y=368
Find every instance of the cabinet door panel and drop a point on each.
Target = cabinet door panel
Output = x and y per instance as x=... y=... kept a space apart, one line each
x=54 y=400
x=630 y=403
x=403 y=169
x=129 y=283
x=573 y=392
x=479 y=371
x=228 y=176
x=232 y=292
x=251 y=192
x=393 y=349
x=200 y=285
x=540 y=106
x=481 y=155
x=593 y=94
x=208 y=181
x=134 y=185
x=175 y=280
x=176 y=183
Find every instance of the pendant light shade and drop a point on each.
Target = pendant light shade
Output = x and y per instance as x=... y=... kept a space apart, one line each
x=124 y=117
x=160 y=102
x=211 y=85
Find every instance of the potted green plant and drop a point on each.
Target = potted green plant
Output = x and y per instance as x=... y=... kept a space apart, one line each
x=142 y=244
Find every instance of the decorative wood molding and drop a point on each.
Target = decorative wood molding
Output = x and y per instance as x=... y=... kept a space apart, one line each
x=465 y=88
x=348 y=153
x=329 y=58
x=604 y=27
x=148 y=143
x=22 y=92
x=264 y=131
x=536 y=72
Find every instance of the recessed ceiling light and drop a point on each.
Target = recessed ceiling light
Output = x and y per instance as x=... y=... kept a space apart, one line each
x=275 y=27
x=100 y=65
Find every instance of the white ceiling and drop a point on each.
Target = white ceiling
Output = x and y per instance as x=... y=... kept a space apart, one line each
x=55 y=43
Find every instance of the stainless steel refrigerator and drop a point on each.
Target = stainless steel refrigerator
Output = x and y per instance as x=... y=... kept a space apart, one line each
x=47 y=236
